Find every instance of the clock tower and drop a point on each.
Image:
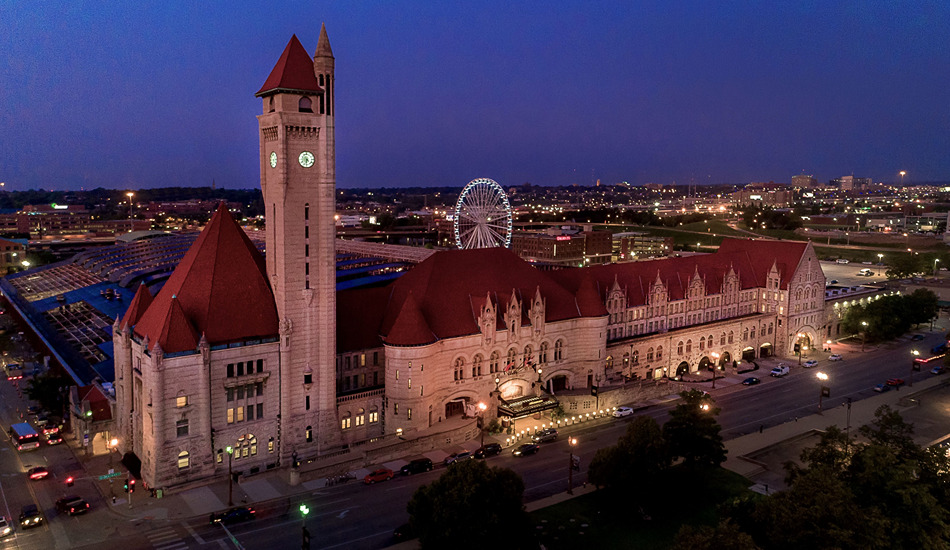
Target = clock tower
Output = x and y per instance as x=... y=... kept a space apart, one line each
x=298 y=180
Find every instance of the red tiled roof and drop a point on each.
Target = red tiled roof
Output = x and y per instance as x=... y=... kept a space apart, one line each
x=98 y=403
x=786 y=255
x=359 y=314
x=589 y=301
x=221 y=288
x=410 y=327
x=143 y=298
x=293 y=71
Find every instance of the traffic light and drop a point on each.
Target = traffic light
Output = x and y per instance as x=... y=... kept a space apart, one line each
x=125 y=486
x=69 y=481
x=593 y=391
x=131 y=485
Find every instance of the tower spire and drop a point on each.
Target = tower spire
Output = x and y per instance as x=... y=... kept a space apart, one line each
x=323 y=44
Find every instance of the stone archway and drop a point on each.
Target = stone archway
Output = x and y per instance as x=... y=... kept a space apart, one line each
x=558 y=383
x=725 y=359
x=748 y=354
x=456 y=407
x=704 y=364
x=682 y=369
x=766 y=350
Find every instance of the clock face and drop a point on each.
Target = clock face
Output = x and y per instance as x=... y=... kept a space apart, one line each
x=306 y=159
x=273 y=160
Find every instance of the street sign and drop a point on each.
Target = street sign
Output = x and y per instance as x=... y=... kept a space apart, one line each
x=113 y=474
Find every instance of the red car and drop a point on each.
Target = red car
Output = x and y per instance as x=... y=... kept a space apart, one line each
x=895 y=382
x=381 y=474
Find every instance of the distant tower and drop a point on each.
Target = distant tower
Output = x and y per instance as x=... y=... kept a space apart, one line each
x=298 y=178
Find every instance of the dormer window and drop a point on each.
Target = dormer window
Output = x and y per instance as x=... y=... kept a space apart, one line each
x=305 y=105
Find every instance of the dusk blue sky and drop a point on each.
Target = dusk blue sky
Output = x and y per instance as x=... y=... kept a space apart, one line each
x=137 y=94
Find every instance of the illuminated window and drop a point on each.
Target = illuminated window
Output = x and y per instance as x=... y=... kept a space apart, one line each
x=181 y=401
x=183 y=460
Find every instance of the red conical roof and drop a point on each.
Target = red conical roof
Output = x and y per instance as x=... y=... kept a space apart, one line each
x=410 y=327
x=221 y=286
x=176 y=333
x=293 y=71
x=143 y=298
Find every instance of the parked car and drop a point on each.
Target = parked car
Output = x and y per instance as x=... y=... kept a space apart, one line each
x=457 y=457
x=416 y=466
x=5 y=528
x=545 y=435
x=937 y=370
x=33 y=410
x=835 y=357
x=41 y=421
x=381 y=474
x=30 y=516
x=895 y=382
x=779 y=371
x=841 y=261
x=810 y=363
x=486 y=451
x=917 y=337
x=833 y=282
x=39 y=472
x=526 y=449
x=234 y=515
x=882 y=388
x=751 y=381
x=72 y=505
x=54 y=439
x=622 y=411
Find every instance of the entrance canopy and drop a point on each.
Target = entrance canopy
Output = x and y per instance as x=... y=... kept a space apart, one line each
x=526 y=406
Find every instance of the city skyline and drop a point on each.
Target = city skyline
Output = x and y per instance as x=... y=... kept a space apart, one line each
x=140 y=97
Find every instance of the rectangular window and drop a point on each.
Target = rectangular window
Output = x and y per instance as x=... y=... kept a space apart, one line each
x=250 y=412
x=260 y=410
x=375 y=378
x=346 y=362
x=306 y=250
x=373 y=416
x=308 y=402
x=362 y=379
x=230 y=370
x=270 y=445
x=230 y=416
x=219 y=458
x=397 y=374
x=375 y=358
x=346 y=383
x=308 y=378
x=345 y=423
x=240 y=369
x=240 y=392
x=355 y=382
x=240 y=414
x=181 y=427
x=230 y=394
x=409 y=382
x=260 y=365
x=181 y=401
x=362 y=359
x=359 y=420
x=409 y=413
x=395 y=409
x=260 y=388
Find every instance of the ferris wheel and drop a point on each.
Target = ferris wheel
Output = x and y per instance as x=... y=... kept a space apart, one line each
x=482 y=216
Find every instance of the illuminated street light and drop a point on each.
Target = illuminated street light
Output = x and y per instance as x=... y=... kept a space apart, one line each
x=864 y=334
x=570 y=466
x=822 y=390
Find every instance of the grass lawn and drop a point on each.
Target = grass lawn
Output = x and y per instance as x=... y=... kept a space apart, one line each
x=608 y=519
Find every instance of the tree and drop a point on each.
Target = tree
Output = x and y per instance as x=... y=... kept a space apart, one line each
x=904 y=265
x=635 y=462
x=921 y=305
x=693 y=433
x=725 y=536
x=48 y=390
x=471 y=506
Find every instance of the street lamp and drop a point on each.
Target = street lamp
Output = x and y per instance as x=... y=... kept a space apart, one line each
x=902 y=173
x=715 y=367
x=913 y=366
x=112 y=443
x=935 y=266
x=798 y=344
x=570 y=466
x=864 y=334
x=481 y=420
x=822 y=377
x=130 y=195
x=230 y=451
x=880 y=263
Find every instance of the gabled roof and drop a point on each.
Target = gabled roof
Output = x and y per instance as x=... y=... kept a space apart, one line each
x=221 y=288
x=293 y=72
x=176 y=332
x=98 y=402
x=140 y=302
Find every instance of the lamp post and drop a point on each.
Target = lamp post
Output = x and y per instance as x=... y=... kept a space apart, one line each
x=130 y=195
x=112 y=443
x=230 y=451
x=305 y=542
x=913 y=365
x=880 y=263
x=715 y=367
x=935 y=267
x=798 y=344
x=864 y=334
x=481 y=421
x=822 y=377
x=572 y=442
x=902 y=173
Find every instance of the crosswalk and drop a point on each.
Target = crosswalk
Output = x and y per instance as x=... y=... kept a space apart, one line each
x=166 y=538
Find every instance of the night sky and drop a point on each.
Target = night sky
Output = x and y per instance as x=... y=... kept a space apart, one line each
x=123 y=95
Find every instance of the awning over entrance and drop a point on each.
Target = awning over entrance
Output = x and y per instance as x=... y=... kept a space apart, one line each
x=525 y=406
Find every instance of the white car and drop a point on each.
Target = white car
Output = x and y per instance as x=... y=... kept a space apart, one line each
x=810 y=363
x=5 y=528
x=834 y=357
x=622 y=411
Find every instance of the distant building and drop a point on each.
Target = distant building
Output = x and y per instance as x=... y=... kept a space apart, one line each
x=804 y=182
x=639 y=246
x=11 y=256
x=851 y=183
x=764 y=194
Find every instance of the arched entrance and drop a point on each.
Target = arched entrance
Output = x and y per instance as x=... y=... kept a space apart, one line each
x=748 y=354
x=725 y=359
x=682 y=369
x=704 y=364
x=456 y=407
x=765 y=350
x=802 y=343
x=558 y=383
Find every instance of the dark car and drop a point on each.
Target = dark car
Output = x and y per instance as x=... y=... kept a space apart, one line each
x=416 y=466
x=750 y=381
x=457 y=457
x=30 y=516
x=526 y=449
x=545 y=435
x=403 y=533
x=937 y=370
x=917 y=337
x=234 y=515
x=882 y=388
x=72 y=505
x=486 y=451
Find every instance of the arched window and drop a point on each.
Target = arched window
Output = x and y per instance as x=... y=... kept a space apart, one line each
x=649 y=355
x=626 y=360
x=543 y=353
x=528 y=353
x=745 y=334
x=679 y=348
x=459 y=365
x=309 y=434
x=477 y=365
x=731 y=336
x=183 y=460
x=360 y=416
x=689 y=346
x=702 y=343
x=722 y=339
x=609 y=364
x=770 y=328
x=559 y=350
x=752 y=333
x=305 y=105
x=246 y=446
x=659 y=353
x=709 y=341
x=636 y=357
x=510 y=360
x=493 y=362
